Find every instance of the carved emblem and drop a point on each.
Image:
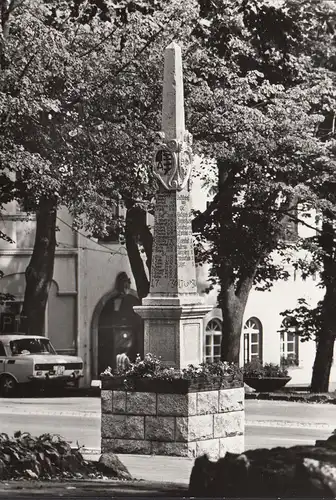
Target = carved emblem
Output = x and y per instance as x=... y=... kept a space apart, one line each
x=173 y=162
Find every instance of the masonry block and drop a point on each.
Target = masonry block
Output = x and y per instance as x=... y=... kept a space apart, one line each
x=207 y=402
x=192 y=403
x=200 y=427
x=136 y=446
x=172 y=404
x=123 y=426
x=208 y=447
x=141 y=403
x=106 y=401
x=228 y=424
x=160 y=428
x=174 y=449
x=182 y=429
x=187 y=425
x=232 y=444
x=231 y=399
x=119 y=402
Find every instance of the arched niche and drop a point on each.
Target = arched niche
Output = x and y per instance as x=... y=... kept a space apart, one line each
x=115 y=327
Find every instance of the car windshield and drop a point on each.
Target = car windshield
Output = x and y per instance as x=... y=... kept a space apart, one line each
x=31 y=346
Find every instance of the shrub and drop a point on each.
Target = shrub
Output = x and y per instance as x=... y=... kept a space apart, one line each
x=152 y=367
x=255 y=368
x=289 y=361
x=44 y=457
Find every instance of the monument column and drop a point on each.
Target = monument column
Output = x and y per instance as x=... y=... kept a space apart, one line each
x=173 y=311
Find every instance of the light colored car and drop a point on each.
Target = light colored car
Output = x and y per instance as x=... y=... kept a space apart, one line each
x=32 y=360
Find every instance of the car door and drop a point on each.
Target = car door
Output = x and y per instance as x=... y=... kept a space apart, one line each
x=3 y=357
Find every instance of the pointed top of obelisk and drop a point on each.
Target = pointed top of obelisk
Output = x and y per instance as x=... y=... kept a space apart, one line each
x=173 y=98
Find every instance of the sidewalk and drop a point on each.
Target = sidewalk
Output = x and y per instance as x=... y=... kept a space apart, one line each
x=152 y=467
x=159 y=468
x=90 y=489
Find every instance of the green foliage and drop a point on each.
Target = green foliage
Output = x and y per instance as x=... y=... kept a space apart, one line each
x=152 y=367
x=306 y=320
x=288 y=362
x=257 y=114
x=44 y=457
x=77 y=93
x=255 y=368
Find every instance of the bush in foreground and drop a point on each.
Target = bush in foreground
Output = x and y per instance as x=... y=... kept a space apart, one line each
x=51 y=457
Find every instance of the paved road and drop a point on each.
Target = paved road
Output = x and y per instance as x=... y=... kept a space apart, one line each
x=76 y=419
x=268 y=424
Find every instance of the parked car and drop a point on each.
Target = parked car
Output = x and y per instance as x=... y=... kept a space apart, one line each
x=33 y=361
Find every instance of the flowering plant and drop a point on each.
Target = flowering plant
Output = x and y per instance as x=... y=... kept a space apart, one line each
x=152 y=367
x=256 y=369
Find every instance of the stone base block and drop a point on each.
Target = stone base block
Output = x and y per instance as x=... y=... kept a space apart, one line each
x=232 y=444
x=208 y=447
x=136 y=446
x=174 y=449
x=214 y=448
x=183 y=425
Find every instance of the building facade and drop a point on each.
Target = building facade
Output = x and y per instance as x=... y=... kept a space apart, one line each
x=91 y=299
x=261 y=333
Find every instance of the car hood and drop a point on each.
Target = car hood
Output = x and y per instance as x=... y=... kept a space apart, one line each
x=56 y=359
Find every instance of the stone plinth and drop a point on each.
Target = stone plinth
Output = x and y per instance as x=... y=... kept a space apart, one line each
x=186 y=425
x=174 y=333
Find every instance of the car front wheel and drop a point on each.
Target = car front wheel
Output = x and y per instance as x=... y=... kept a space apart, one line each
x=8 y=386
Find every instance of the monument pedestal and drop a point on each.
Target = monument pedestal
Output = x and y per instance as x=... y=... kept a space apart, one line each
x=175 y=333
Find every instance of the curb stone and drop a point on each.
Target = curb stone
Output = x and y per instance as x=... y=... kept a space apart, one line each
x=297 y=398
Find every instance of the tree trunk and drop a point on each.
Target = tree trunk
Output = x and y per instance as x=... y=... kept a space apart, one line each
x=137 y=230
x=322 y=364
x=234 y=288
x=232 y=304
x=326 y=338
x=39 y=272
x=325 y=341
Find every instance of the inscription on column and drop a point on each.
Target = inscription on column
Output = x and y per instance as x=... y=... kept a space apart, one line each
x=173 y=264
x=164 y=272
x=185 y=245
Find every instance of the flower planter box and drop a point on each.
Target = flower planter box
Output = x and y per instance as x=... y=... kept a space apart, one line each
x=178 y=417
x=175 y=386
x=266 y=384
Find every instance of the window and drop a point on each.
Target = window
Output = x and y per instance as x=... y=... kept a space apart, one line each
x=31 y=346
x=11 y=320
x=2 y=350
x=213 y=340
x=289 y=346
x=252 y=340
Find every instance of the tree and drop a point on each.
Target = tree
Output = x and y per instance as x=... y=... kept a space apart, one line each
x=261 y=97
x=318 y=323
x=64 y=67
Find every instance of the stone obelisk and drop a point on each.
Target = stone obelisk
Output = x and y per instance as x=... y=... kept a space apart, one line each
x=173 y=311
